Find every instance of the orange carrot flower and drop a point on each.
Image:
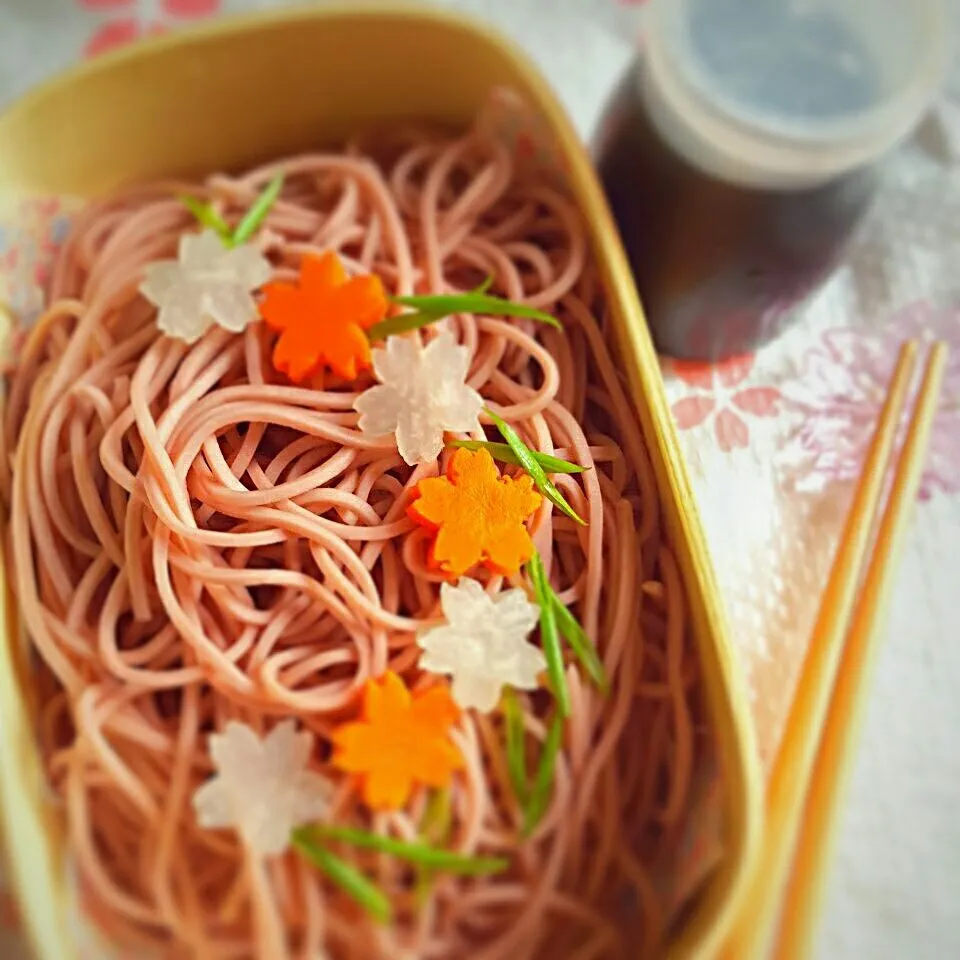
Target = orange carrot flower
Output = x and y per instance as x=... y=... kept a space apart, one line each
x=322 y=318
x=477 y=514
x=401 y=740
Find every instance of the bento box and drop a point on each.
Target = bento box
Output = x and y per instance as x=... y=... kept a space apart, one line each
x=250 y=89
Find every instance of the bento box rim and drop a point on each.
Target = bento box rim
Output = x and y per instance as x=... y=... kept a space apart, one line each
x=739 y=756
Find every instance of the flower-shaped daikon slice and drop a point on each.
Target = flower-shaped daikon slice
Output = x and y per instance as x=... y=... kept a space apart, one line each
x=263 y=788
x=207 y=284
x=422 y=393
x=483 y=645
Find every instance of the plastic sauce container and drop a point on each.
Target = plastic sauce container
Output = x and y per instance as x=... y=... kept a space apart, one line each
x=744 y=146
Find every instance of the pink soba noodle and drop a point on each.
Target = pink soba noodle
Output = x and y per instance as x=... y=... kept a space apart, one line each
x=197 y=541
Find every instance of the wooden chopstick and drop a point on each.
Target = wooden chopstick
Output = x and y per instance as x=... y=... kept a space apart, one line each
x=754 y=929
x=805 y=890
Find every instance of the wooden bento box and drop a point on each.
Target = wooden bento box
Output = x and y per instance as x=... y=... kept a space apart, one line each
x=262 y=86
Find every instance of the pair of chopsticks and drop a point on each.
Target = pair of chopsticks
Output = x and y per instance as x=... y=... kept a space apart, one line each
x=779 y=910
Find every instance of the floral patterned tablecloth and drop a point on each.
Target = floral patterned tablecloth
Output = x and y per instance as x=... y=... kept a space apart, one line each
x=773 y=442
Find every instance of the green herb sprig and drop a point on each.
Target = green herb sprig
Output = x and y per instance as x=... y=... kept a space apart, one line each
x=504 y=454
x=566 y=625
x=530 y=463
x=550 y=636
x=436 y=819
x=542 y=789
x=581 y=645
x=516 y=755
x=431 y=308
x=420 y=853
x=208 y=217
x=435 y=825
x=347 y=877
x=255 y=216
x=311 y=842
x=401 y=324
x=534 y=798
x=476 y=301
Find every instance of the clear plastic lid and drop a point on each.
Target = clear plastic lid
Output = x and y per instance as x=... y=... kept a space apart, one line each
x=790 y=92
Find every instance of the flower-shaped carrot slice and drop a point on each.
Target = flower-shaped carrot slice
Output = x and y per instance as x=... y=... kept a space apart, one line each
x=322 y=318
x=402 y=739
x=478 y=515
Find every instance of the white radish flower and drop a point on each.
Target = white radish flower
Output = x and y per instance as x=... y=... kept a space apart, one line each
x=483 y=645
x=422 y=393
x=207 y=284
x=263 y=788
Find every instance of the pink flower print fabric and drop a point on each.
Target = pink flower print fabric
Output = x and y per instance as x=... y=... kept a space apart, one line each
x=841 y=390
x=123 y=21
x=719 y=397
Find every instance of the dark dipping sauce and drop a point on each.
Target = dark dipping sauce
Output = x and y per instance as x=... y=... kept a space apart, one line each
x=721 y=267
